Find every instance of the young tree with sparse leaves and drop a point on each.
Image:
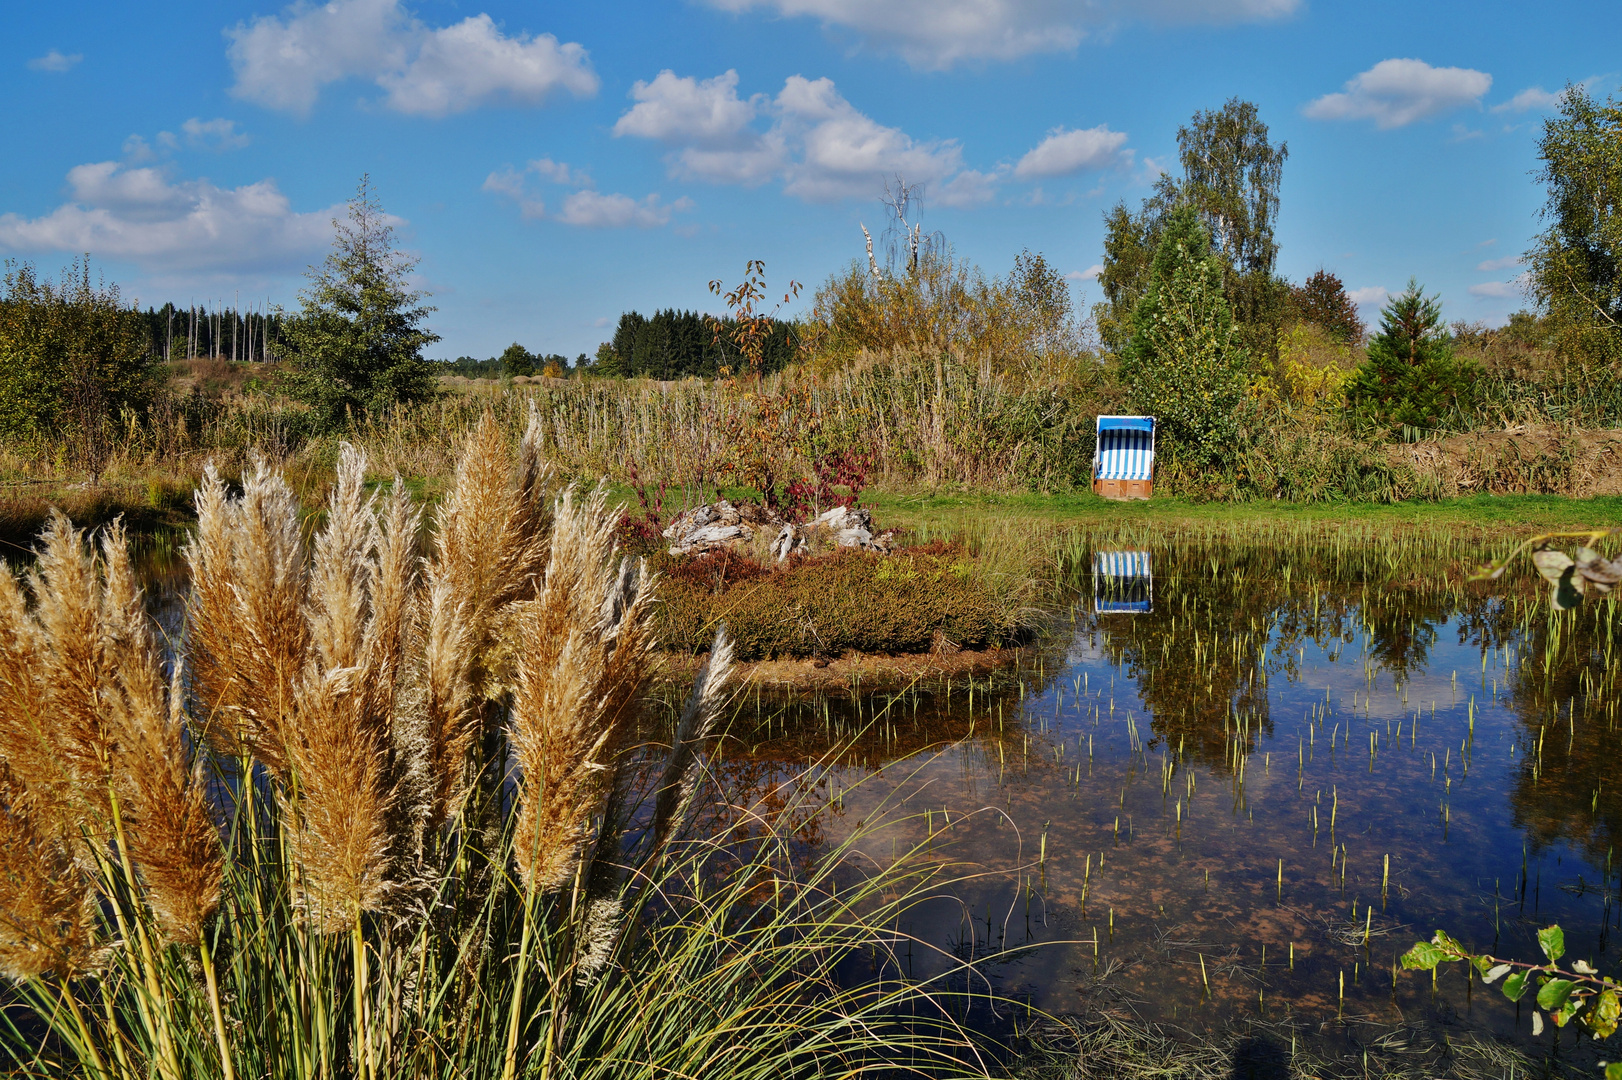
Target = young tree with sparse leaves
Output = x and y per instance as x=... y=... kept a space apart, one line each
x=355 y=347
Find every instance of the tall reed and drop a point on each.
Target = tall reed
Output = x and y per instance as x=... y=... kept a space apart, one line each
x=391 y=811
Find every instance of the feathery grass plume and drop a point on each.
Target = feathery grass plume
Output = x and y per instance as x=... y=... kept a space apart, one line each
x=491 y=539
x=343 y=819
x=245 y=622
x=679 y=781
x=46 y=910
x=69 y=682
x=169 y=831
x=584 y=656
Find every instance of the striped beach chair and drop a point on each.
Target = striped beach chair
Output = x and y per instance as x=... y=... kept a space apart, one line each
x=1123 y=583
x=1124 y=462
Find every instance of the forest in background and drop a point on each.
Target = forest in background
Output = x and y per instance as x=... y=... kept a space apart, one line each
x=910 y=367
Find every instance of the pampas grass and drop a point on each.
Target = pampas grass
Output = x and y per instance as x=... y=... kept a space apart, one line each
x=386 y=812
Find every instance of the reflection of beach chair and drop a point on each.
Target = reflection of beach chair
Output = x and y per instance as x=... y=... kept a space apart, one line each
x=1124 y=462
x=1123 y=583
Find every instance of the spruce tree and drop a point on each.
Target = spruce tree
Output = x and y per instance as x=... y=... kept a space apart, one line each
x=1184 y=364
x=356 y=344
x=1412 y=376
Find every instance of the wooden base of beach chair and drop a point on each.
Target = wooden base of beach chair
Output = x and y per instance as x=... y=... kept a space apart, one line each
x=1123 y=489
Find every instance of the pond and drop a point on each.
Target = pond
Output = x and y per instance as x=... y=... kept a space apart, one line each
x=1245 y=779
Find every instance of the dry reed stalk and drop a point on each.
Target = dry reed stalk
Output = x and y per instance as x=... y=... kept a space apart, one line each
x=169 y=831
x=342 y=815
x=86 y=718
x=584 y=658
x=46 y=910
x=492 y=536
x=245 y=619
x=679 y=782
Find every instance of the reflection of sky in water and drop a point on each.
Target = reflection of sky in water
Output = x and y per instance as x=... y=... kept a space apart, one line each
x=1187 y=862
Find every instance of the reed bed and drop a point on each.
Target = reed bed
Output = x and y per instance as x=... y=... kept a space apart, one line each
x=387 y=807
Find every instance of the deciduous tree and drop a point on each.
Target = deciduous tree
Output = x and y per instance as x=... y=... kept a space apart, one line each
x=1575 y=265
x=1184 y=364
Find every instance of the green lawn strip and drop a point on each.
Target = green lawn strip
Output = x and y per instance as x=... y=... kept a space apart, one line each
x=1517 y=512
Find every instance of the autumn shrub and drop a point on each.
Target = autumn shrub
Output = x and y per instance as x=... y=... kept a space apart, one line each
x=851 y=600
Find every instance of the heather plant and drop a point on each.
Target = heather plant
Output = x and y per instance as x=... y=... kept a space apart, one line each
x=390 y=809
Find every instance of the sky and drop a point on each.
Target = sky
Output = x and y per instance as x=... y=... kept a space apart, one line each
x=553 y=165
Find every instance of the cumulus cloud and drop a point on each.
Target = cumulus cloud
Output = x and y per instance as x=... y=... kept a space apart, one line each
x=818 y=145
x=1493 y=265
x=674 y=109
x=594 y=210
x=1532 y=98
x=55 y=61
x=1064 y=152
x=1369 y=296
x=216 y=134
x=140 y=215
x=1499 y=290
x=282 y=62
x=585 y=207
x=1394 y=93
x=1089 y=274
x=938 y=34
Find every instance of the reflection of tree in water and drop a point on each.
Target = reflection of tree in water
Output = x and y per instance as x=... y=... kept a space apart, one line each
x=1566 y=690
x=1229 y=618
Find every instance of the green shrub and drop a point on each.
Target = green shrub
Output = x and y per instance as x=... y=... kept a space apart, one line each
x=1412 y=375
x=851 y=600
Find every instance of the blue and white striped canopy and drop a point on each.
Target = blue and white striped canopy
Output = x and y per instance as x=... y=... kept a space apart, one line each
x=1126 y=448
x=1123 y=583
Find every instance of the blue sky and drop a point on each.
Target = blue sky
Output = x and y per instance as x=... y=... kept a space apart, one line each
x=556 y=164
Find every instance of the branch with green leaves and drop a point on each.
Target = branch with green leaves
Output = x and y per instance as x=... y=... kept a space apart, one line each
x=1564 y=994
x=1570 y=576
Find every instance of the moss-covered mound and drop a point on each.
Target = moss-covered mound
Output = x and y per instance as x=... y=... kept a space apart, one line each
x=907 y=602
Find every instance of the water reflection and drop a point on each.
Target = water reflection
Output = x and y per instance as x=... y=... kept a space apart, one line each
x=1253 y=794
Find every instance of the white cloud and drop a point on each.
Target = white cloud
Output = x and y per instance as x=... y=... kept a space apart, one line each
x=968 y=188
x=1064 y=152
x=1492 y=265
x=216 y=134
x=1533 y=97
x=937 y=34
x=139 y=215
x=845 y=152
x=684 y=110
x=510 y=182
x=283 y=62
x=1089 y=274
x=819 y=145
x=1369 y=296
x=559 y=173
x=1397 y=92
x=594 y=210
x=56 y=61
x=585 y=207
x=1499 y=290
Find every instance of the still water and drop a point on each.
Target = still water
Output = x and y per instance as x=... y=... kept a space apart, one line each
x=1243 y=783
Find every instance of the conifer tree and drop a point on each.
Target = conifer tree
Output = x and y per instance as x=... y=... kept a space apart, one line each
x=356 y=345
x=1412 y=376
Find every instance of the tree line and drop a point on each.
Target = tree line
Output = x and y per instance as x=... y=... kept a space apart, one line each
x=673 y=344
x=1194 y=310
x=230 y=333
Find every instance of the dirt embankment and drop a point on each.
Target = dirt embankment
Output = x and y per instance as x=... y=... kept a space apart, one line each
x=1519 y=461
